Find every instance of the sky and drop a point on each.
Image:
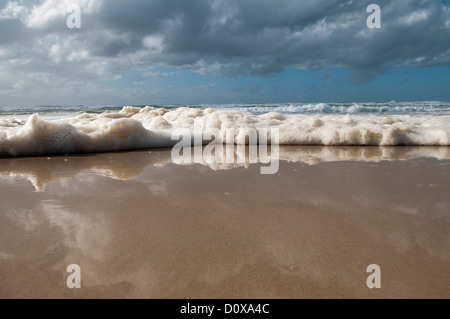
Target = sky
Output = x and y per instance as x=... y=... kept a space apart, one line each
x=154 y=52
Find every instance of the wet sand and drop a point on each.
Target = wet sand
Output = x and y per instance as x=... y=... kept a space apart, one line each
x=140 y=226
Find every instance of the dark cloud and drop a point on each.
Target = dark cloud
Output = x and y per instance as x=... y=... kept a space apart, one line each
x=232 y=37
x=266 y=36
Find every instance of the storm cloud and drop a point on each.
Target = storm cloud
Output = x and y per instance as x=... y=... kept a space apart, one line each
x=232 y=37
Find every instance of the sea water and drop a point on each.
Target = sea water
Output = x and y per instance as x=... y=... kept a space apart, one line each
x=43 y=130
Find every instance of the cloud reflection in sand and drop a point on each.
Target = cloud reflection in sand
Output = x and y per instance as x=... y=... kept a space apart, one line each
x=129 y=165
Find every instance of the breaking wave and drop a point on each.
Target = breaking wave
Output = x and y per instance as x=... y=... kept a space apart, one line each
x=152 y=127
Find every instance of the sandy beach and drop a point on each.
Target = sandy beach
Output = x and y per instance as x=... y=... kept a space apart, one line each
x=140 y=226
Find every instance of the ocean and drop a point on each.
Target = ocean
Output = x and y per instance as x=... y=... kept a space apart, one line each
x=43 y=130
x=392 y=108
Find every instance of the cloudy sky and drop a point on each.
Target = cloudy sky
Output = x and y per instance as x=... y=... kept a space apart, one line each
x=222 y=51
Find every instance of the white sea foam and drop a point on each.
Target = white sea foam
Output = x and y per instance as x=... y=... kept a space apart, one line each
x=151 y=127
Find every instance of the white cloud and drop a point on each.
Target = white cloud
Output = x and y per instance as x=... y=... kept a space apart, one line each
x=56 y=53
x=13 y=10
x=415 y=17
x=205 y=86
x=157 y=75
x=153 y=43
x=41 y=15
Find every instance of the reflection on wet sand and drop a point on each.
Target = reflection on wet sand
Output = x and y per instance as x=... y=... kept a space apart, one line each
x=128 y=165
x=141 y=227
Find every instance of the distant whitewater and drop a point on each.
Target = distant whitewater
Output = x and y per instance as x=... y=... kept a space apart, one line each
x=47 y=130
x=393 y=108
